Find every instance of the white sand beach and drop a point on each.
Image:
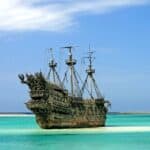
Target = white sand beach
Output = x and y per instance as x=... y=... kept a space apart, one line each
x=16 y=115
x=77 y=131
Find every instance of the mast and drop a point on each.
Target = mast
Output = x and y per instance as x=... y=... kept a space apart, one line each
x=52 y=74
x=90 y=82
x=74 y=84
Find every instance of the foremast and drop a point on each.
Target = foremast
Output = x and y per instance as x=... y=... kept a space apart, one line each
x=90 y=82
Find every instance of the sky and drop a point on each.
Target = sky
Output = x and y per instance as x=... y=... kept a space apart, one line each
x=117 y=30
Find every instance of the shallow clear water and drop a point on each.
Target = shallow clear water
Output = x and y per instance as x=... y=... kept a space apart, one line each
x=128 y=120
x=23 y=133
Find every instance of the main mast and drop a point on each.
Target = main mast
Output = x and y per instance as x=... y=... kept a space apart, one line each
x=74 y=84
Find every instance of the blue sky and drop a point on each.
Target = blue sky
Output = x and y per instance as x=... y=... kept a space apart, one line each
x=119 y=32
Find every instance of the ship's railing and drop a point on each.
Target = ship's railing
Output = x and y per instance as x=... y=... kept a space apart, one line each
x=89 y=101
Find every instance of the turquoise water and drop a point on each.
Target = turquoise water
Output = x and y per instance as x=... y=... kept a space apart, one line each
x=23 y=133
x=128 y=120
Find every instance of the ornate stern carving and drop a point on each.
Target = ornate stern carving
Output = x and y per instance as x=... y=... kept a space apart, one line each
x=36 y=83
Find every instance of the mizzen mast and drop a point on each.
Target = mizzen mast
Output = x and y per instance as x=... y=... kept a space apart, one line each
x=52 y=74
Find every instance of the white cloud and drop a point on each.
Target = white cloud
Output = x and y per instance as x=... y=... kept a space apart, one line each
x=53 y=15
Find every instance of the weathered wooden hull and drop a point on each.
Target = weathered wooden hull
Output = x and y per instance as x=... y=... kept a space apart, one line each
x=55 y=108
x=48 y=123
x=78 y=114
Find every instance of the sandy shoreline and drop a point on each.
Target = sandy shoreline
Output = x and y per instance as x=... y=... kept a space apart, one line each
x=16 y=115
x=77 y=131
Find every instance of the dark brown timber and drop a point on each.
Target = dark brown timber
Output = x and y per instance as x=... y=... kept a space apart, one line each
x=55 y=107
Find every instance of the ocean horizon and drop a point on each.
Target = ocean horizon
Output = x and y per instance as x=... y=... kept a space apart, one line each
x=30 y=113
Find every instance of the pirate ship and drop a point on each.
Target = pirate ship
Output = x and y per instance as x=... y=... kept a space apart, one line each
x=55 y=106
